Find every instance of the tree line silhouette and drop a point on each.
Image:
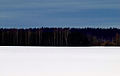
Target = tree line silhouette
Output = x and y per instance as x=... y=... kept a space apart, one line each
x=60 y=37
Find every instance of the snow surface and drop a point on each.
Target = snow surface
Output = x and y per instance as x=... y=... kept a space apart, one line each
x=46 y=61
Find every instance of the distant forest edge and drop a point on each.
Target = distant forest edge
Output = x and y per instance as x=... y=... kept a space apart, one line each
x=60 y=37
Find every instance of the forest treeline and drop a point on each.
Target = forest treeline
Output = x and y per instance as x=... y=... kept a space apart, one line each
x=60 y=37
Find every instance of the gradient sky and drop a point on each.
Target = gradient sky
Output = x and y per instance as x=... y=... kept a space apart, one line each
x=60 y=13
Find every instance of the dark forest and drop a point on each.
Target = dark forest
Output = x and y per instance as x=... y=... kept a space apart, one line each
x=60 y=37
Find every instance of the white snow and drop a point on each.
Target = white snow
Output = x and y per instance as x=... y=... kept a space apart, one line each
x=46 y=61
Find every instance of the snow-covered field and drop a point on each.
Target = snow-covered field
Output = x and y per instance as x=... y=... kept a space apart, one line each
x=35 y=61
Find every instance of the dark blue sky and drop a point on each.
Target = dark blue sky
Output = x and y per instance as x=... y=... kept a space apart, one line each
x=60 y=13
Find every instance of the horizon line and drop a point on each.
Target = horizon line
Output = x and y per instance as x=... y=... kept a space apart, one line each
x=60 y=27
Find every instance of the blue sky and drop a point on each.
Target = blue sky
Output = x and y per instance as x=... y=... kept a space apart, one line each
x=59 y=13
